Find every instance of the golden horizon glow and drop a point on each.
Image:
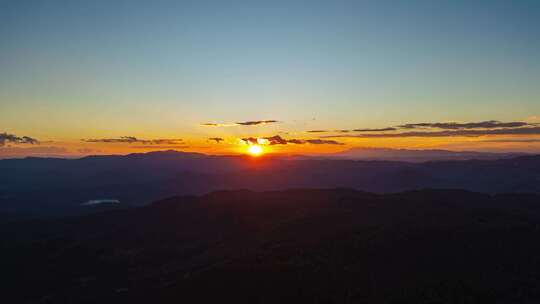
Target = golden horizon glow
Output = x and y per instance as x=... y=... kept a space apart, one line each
x=235 y=144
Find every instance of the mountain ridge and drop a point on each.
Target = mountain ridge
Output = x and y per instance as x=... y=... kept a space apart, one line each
x=45 y=187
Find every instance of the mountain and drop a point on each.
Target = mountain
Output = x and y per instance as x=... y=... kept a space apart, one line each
x=294 y=246
x=35 y=187
x=369 y=153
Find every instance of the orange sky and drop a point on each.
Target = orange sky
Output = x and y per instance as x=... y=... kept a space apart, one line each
x=298 y=143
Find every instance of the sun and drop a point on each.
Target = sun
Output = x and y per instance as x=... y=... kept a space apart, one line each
x=255 y=150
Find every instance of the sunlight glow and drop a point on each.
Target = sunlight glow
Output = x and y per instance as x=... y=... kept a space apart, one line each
x=255 y=150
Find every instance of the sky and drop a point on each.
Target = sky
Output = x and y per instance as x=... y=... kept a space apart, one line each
x=100 y=77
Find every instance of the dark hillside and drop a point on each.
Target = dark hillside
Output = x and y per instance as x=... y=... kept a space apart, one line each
x=297 y=246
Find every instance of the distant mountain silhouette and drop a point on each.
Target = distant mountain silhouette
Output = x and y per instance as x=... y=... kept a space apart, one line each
x=295 y=246
x=44 y=186
x=369 y=153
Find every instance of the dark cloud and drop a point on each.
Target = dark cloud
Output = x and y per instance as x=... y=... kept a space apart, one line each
x=131 y=139
x=250 y=140
x=278 y=140
x=327 y=131
x=13 y=139
x=211 y=124
x=240 y=123
x=172 y=141
x=446 y=133
x=216 y=139
x=323 y=142
x=256 y=122
x=490 y=124
x=514 y=140
x=296 y=141
x=123 y=139
x=375 y=130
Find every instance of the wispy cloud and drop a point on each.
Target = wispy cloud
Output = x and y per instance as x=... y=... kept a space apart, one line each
x=252 y=140
x=443 y=129
x=328 y=131
x=131 y=140
x=240 y=123
x=513 y=140
x=490 y=124
x=10 y=138
x=322 y=142
x=354 y=130
x=375 y=130
x=162 y=141
x=256 y=122
x=446 y=133
x=212 y=124
x=278 y=140
x=216 y=139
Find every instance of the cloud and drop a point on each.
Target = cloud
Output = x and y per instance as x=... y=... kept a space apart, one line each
x=211 y=124
x=216 y=139
x=123 y=139
x=296 y=141
x=446 y=129
x=490 y=124
x=173 y=141
x=513 y=140
x=446 y=133
x=323 y=142
x=131 y=139
x=256 y=122
x=278 y=140
x=249 y=140
x=326 y=131
x=240 y=123
x=10 y=138
x=375 y=130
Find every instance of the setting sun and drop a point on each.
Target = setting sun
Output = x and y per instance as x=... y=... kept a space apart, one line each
x=255 y=150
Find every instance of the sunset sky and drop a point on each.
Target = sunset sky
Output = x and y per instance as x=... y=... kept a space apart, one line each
x=312 y=77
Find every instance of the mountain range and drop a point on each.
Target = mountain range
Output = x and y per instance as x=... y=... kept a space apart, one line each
x=35 y=187
x=409 y=155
